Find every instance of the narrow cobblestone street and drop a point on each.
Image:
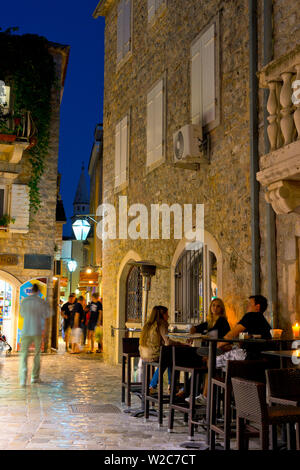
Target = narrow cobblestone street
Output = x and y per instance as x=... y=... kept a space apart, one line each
x=40 y=417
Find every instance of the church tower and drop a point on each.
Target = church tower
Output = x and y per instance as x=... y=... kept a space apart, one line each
x=81 y=203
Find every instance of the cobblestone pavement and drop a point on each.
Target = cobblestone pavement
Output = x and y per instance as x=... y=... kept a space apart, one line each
x=39 y=417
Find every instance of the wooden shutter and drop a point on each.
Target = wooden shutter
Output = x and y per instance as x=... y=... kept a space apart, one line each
x=208 y=76
x=151 y=9
x=121 y=152
x=117 y=154
x=124 y=150
x=19 y=208
x=203 y=79
x=127 y=27
x=155 y=123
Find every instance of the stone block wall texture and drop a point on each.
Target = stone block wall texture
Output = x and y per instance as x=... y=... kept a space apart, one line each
x=286 y=35
x=222 y=186
x=40 y=238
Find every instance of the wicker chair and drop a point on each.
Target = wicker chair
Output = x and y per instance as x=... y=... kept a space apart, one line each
x=283 y=386
x=130 y=349
x=250 y=400
x=185 y=360
x=252 y=370
x=165 y=360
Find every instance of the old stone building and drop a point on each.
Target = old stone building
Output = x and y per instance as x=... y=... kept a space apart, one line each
x=27 y=243
x=173 y=70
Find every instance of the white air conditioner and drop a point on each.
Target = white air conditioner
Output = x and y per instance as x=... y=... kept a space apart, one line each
x=188 y=147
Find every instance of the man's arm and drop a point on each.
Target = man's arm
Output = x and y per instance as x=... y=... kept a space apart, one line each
x=233 y=333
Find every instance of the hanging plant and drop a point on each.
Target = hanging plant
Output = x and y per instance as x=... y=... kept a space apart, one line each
x=27 y=66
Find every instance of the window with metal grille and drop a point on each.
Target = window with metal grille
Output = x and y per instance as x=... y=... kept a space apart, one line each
x=195 y=284
x=134 y=295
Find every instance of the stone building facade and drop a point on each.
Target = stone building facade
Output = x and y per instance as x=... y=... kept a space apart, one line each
x=154 y=56
x=39 y=237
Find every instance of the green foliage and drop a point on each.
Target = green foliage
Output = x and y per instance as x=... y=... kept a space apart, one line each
x=28 y=67
x=5 y=220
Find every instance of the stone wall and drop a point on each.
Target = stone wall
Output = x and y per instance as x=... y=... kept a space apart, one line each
x=223 y=185
x=40 y=238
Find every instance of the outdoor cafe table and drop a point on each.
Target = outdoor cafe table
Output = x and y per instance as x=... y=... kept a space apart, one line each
x=212 y=353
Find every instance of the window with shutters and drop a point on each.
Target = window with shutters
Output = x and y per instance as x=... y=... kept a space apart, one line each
x=205 y=78
x=155 y=7
x=121 y=153
x=3 y=200
x=19 y=208
x=123 y=30
x=156 y=124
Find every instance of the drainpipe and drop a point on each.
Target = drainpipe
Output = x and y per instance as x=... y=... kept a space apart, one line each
x=254 y=159
x=270 y=214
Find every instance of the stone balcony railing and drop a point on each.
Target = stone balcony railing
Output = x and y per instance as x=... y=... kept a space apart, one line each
x=280 y=169
x=16 y=135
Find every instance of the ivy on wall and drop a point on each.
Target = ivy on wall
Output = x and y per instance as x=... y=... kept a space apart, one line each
x=27 y=66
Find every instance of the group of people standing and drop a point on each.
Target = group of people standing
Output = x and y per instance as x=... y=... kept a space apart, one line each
x=82 y=321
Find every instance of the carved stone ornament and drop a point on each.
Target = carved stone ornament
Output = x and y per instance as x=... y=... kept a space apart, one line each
x=284 y=196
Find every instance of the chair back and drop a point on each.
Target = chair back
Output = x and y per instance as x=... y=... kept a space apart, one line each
x=250 y=400
x=186 y=357
x=130 y=345
x=284 y=383
x=250 y=370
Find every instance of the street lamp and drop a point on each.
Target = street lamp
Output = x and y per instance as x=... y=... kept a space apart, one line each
x=72 y=265
x=81 y=228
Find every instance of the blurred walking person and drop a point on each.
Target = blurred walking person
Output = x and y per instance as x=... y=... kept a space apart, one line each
x=34 y=310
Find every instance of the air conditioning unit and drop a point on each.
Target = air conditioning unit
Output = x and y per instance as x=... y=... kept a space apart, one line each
x=190 y=147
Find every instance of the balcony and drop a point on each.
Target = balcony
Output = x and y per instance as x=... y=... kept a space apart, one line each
x=280 y=169
x=16 y=135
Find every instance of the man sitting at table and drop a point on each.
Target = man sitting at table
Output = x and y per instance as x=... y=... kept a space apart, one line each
x=254 y=323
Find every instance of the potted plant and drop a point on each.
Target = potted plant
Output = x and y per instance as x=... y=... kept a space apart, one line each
x=5 y=220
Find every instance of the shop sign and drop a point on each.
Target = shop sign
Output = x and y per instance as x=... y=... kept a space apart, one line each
x=8 y=260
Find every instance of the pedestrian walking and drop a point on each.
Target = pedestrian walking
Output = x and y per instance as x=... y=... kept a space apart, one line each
x=96 y=320
x=34 y=311
x=67 y=310
x=76 y=321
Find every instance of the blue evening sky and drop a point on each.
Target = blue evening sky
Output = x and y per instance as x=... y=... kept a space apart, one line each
x=69 y=22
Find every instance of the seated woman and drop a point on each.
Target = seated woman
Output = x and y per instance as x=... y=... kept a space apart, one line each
x=216 y=321
x=153 y=336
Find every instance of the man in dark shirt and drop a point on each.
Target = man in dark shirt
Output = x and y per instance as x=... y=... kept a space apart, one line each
x=66 y=311
x=96 y=319
x=76 y=320
x=254 y=323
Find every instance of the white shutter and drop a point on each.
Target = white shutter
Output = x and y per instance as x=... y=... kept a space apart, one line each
x=155 y=123
x=196 y=105
x=19 y=208
x=124 y=149
x=120 y=23
x=208 y=76
x=117 y=154
x=151 y=9
x=158 y=121
x=127 y=27
x=203 y=79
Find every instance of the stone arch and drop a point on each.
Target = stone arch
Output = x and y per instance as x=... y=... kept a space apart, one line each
x=212 y=245
x=123 y=272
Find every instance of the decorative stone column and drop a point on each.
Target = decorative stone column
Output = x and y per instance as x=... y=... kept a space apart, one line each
x=287 y=121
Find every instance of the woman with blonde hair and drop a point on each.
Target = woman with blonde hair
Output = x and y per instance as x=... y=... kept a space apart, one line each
x=216 y=320
x=153 y=336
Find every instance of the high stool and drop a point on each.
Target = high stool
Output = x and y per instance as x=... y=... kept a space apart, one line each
x=164 y=361
x=185 y=359
x=130 y=349
x=253 y=370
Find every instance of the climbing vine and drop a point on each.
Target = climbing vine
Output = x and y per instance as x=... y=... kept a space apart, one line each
x=27 y=66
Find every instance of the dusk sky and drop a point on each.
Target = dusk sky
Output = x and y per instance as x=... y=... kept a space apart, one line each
x=71 y=23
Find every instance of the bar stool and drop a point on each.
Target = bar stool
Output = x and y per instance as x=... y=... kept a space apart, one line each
x=253 y=370
x=185 y=359
x=130 y=349
x=164 y=361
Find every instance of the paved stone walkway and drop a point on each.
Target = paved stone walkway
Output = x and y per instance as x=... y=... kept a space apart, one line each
x=38 y=417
